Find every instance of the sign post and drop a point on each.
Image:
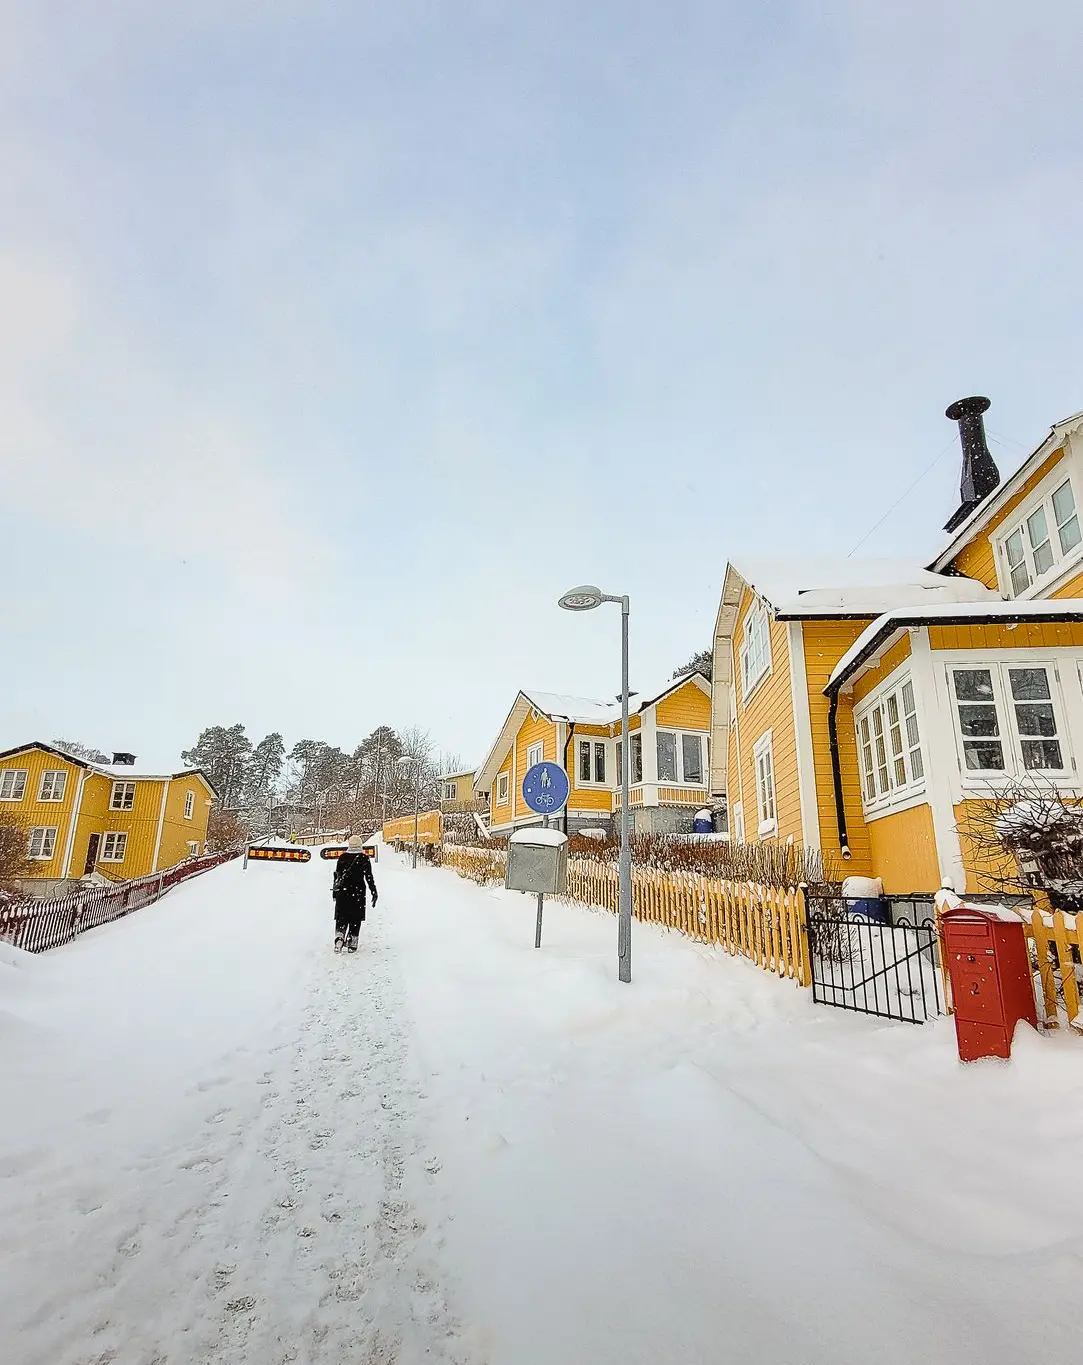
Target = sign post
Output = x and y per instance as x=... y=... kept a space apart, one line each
x=545 y=790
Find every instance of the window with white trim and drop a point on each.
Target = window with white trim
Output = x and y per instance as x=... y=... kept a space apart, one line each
x=53 y=784
x=114 y=846
x=889 y=746
x=42 y=843
x=755 y=649
x=450 y=788
x=1048 y=534
x=763 y=759
x=680 y=757
x=636 y=746
x=738 y=824
x=193 y=848
x=1009 y=719
x=534 y=754
x=123 y=797
x=13 y=784
x=503 y=782
x=591 y=762
x=189 y=804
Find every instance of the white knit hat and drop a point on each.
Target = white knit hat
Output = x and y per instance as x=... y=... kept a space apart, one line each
x=356 y=842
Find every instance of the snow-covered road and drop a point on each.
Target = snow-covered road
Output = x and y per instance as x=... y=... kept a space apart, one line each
x=221 y=1144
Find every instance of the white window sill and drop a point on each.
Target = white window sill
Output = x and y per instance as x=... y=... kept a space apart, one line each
x=1064 y=569
x=986 y=783
x=767 y=827
x=746 y=697
x=41 y=858
x=905 y=800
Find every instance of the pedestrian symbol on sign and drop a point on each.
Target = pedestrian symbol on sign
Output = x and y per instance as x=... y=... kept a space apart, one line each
x=545 y=788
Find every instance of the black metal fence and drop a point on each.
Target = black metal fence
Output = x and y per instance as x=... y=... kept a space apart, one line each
x=37 y=925
x=890 y=969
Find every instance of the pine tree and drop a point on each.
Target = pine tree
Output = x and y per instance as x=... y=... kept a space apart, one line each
x=703 y=662
x=224 y=754
x=264 y=769
x=83 y=751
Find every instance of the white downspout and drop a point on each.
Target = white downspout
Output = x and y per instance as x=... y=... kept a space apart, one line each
x=161 y=822
x=70 y=847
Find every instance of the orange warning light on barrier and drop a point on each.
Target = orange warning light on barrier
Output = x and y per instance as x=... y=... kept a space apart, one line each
x=281 y=855
x=337 y=850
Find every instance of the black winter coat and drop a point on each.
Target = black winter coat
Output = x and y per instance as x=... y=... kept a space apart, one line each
x=353 y=875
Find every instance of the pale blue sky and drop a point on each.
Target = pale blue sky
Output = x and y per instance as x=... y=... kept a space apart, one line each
x=336 y=340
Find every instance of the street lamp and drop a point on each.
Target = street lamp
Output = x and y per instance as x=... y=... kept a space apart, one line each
x=586 y=598
x=407 y=761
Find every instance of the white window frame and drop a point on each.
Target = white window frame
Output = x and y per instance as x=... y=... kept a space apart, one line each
x=120 y=788
x=738 y=834
x=766 y=794
x=49 y=777
x=1009 y=738
x=15 y=774
x=189 y=804
x=43 y=835
x=1018 y=524
x=755 y=655
x=535 y=754
x=450 y=791
x=193 y=848
x=602 y=784
x=112 y=840
x=898 y=747
x=679 y=736
x=503 y=787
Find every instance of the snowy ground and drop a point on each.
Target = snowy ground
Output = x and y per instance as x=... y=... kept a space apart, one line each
x=220 y=1143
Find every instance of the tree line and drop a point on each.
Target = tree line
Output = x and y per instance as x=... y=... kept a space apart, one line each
x=319 y=784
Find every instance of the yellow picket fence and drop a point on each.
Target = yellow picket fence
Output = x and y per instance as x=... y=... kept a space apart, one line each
x=1056 y=940
x=765 y=924
x=430 y=829
x=481 y=865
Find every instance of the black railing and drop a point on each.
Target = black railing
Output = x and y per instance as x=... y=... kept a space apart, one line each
x=889 y=969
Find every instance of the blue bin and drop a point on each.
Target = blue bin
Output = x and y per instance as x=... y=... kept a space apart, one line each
x=702 y=826
x=873 y=908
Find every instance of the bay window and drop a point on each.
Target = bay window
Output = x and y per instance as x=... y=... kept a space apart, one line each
x=591 y=762
x=889 y=745
x=680 y=757
x=1008 y=719
x=1045 y=536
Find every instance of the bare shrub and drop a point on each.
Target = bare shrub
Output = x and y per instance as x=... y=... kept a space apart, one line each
x=1025 y=835
x=766 y=864
x=14 y=863
x=224 y=831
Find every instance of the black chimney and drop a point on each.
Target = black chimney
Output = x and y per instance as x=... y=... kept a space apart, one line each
x=123 y=760
x=980 y=475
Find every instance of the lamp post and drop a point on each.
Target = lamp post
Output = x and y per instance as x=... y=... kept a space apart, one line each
x=407 y=761
x=586 y=598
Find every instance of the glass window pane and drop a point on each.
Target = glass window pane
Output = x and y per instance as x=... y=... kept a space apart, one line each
x=917 y=767
x=1041 y=753
x=637 y=758
x=1070 y=535
x=1037 y=530
x=973 y=684
x=975 y=721
x=1014 y=548
x=1020 y=579
x=1029 y=684
x=619 y=752
x=984 y=754
x=1035 y=718
x=667 y=756
x=584 y=760
x=599 y=762
x=692 y=754
x=1063 y=503
x=1043 y=558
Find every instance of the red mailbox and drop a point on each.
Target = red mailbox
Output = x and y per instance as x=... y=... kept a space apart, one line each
x=991 y=984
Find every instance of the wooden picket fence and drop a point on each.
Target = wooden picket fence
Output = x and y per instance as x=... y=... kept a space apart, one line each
x=765 y=924
x=481 y=865
x=1056 y=940
x=430 y=829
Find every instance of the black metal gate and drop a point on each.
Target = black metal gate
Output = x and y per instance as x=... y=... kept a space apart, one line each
x=891 y=970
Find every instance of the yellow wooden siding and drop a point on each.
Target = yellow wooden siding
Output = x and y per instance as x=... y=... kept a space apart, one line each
x=501 y=814
x=825 y=644
x=689 y=708
x=1073 y=588
x=976 y=559
x=770 y=707
x=975 y=861
x=1028 y=635
x=177 y=832
x=30 y=812
x=542 y=731
x=870 y=681
x=904 y=851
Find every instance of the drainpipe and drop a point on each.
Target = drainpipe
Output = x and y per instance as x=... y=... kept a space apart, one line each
x=836 y=773
x=567 y=746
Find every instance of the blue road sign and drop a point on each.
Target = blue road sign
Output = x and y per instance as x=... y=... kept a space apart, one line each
x=545 y=788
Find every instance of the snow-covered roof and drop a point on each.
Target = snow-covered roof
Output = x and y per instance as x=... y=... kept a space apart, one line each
x=585 y=710
x=157 y=772
x=853 y=587
x=875 y=636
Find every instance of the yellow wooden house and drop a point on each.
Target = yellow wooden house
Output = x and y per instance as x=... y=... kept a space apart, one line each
x=863 y=706
x=669 y=737
x=116 y=820
x=457 y=796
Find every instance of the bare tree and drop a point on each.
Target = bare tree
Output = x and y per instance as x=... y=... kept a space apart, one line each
x=14 y=862
x=83 y=751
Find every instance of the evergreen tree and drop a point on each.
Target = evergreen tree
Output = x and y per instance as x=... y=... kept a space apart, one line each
x=224 y=754
x=83 y=751
x=264 y=769
x=703 y=662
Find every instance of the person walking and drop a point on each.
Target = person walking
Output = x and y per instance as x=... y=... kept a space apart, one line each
x=352 y=881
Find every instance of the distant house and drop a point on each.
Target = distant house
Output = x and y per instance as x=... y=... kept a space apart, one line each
x=457 y=796
x=113 y=819
x=863 y=707
x=669 y=731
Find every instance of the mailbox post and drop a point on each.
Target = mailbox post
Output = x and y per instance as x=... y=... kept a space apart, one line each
x=538 y=863
x=991 y=984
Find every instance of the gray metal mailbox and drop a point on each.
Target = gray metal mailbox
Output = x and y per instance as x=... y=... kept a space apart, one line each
x=538 y=862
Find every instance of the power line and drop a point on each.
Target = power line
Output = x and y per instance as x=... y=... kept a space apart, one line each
x=904 y=495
